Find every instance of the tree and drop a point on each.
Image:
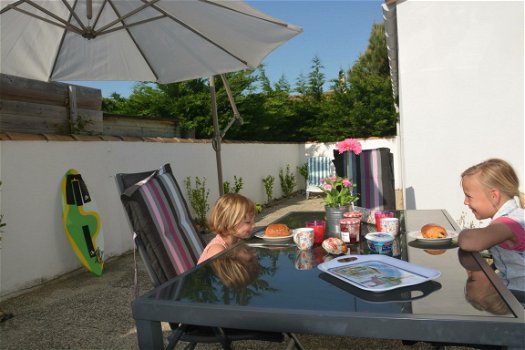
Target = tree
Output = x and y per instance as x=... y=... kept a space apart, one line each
x=266 y=86
x=188 y=102
x=360 y=105
x=375 y=58
x=308 y=108
x=363 y=106
x=114 y=104
x=316 y=79
x=282 y=85
x=301 y=85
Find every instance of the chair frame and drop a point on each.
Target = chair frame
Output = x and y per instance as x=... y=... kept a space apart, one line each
x=188 y=333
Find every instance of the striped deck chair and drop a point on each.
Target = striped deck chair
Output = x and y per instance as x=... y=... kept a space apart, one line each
x=373 y=173
x=164 y=231
x=168 y=243
x=318 y=168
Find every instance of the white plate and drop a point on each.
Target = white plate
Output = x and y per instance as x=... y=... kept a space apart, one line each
x=273 y=239
x=417 y=235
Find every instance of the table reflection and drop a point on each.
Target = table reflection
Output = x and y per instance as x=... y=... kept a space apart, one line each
x=479 y=290
x=237 y=268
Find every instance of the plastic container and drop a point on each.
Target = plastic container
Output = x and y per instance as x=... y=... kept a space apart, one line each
x=379 y=242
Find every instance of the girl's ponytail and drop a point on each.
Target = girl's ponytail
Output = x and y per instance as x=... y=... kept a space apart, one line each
x=521 y=197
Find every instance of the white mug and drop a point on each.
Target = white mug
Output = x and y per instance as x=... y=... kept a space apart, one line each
x=390 y=225
x=304 y=237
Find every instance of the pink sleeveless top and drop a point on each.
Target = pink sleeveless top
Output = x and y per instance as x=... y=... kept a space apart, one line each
x=216 y=240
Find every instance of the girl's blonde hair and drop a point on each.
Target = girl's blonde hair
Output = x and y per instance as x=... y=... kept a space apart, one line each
x=497 y=173
x=229 y=211
x=492 y=303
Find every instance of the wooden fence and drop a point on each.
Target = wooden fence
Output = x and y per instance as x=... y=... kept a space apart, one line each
x=32 y=106
x=119 y=125
x=36 y=107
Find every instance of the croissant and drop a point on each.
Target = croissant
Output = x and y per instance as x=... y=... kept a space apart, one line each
x=277 y=230
x=433 y=231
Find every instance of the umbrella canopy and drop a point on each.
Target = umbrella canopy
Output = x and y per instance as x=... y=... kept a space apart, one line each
x=143 y=40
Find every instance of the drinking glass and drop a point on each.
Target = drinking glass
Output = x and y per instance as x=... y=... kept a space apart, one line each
x=319 y=230
x=382 y=214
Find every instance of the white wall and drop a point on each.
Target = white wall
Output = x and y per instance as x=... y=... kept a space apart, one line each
x=34 y=245
x=461 y=84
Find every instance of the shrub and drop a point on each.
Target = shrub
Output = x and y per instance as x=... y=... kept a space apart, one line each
x=287 y=181
x=303 y=170
x=237 y=187
x=198 y=197
x=268 y=187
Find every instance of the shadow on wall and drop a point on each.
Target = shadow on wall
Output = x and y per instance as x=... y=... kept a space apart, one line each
x=410 y=196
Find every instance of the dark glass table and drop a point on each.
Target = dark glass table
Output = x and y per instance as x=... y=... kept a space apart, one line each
x=276 y=292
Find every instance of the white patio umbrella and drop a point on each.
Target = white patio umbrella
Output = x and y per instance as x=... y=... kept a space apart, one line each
x=140 y=40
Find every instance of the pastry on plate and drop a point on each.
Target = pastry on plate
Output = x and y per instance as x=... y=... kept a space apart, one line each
x=276 y=230
x=433 y=231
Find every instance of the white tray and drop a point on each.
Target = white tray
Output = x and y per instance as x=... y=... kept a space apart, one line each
x=377 y=273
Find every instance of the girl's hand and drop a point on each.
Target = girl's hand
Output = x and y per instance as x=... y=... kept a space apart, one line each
x=479 y=239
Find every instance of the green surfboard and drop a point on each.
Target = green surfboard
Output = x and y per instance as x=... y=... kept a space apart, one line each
x=81 y=221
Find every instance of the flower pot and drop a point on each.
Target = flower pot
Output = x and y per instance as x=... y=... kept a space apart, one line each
x=333 y=216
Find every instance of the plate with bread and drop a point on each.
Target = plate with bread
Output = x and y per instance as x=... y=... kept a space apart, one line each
x=433 y=234
x=275 y=233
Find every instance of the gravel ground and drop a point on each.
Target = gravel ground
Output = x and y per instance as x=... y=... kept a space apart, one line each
x=80 y=311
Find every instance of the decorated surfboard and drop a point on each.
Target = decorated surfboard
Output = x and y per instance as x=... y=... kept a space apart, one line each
x=82 y=222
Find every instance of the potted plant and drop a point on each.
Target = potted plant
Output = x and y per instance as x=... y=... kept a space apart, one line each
x=339 y=191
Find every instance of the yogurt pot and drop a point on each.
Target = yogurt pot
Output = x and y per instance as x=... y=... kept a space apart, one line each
x=379 y=242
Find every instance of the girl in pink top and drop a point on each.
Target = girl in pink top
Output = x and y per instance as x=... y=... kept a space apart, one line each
x=232 y=218
x=492 y=192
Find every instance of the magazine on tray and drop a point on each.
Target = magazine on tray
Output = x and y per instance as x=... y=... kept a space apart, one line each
x=377 y=273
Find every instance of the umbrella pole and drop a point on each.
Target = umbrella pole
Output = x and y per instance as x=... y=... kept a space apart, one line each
x=218 y=134
x=216 y=141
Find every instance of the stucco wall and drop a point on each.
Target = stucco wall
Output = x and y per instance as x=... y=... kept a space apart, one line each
x=461 y=85
x=34 y=245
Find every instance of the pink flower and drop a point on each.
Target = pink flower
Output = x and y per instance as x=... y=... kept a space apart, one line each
x=338 y=191
x=349 y=145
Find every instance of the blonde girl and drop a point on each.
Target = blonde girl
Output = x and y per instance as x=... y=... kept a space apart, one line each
x=491 y=190
x=232 y=218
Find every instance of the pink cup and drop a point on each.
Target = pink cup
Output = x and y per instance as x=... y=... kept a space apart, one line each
x=319 y=229
x=382 y=214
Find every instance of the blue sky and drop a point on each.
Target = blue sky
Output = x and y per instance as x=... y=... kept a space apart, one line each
x=336 y=31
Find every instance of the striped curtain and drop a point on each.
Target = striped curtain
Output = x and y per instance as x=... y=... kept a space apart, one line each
x=373 y=173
